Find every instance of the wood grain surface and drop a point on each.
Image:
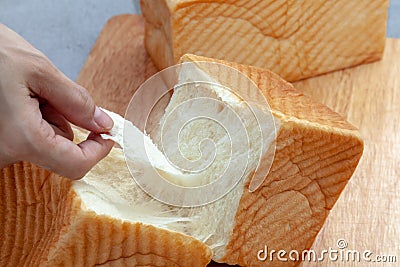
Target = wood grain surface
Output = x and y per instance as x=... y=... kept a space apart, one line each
x=118 y=63
x=367 y=215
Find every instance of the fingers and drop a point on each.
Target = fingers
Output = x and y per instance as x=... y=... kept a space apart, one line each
x=69 y=134
x=48 y=137
x=40 y=133
x=40 y=143
x=68 y=98
x=57 y=121
x=67 y=101
x=74 y=161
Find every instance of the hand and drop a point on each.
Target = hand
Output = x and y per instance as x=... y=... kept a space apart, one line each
x=37 y=102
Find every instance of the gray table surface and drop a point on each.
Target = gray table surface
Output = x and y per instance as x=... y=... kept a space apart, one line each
x=66 y=30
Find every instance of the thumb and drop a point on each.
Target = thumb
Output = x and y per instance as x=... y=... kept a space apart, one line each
x=68 y=98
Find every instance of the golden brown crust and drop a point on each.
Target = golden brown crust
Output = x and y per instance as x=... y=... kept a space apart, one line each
x=307 y=176
x=284 y=100
x=316 y=153
x=43 y=222
x=34 y=205
x=296 y=39
x=99 y=240
x=158 y=38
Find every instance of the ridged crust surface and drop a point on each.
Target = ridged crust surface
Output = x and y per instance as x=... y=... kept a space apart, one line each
x=98 y=240
x=295 y=39
x=317 y=151
x=34 y=207
x=43 y=222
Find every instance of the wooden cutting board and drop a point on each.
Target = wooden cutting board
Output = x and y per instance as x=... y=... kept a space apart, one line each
x=367 y=215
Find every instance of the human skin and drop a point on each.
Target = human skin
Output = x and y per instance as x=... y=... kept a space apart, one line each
x=37 y=104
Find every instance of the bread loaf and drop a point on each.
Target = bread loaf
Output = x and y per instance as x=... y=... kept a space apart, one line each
x=295 y=39
x=316 y=153
x=107 y=219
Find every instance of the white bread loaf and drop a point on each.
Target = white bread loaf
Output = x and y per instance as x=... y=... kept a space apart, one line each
x=316 y=153
x=106 y=218
x=295 y=39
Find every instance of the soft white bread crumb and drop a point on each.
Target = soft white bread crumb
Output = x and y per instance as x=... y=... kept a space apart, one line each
x=122 y=198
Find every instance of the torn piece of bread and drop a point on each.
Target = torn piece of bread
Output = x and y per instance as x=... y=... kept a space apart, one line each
x=106 y=218
x=295 y=39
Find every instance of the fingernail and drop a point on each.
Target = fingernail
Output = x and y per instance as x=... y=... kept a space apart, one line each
x=102 y=119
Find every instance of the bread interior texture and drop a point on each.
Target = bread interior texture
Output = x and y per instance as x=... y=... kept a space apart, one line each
x=205 y=143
